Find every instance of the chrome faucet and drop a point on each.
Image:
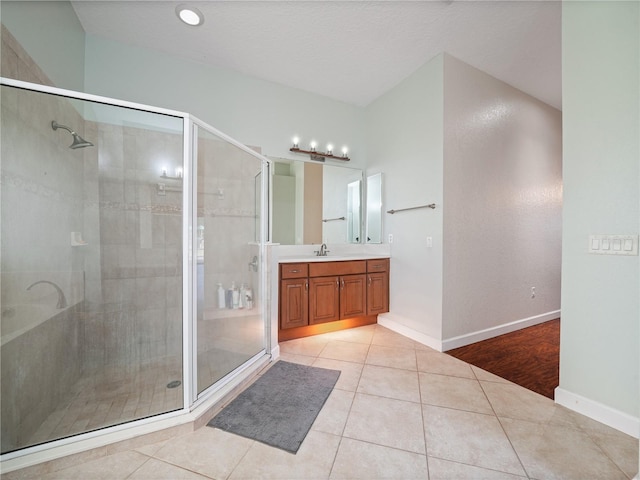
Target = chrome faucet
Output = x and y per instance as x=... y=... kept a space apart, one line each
x=322 y=252
x=62 y=301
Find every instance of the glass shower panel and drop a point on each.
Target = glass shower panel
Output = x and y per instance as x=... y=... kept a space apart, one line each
x=230 y=328
x=91 y=266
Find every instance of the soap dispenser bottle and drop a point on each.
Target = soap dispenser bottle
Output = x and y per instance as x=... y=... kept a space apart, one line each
x=229 y=297
x=236 y=297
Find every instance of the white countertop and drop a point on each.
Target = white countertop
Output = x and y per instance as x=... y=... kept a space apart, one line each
x=329 y=258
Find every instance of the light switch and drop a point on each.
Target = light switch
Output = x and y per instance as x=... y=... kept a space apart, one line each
x=613 y=244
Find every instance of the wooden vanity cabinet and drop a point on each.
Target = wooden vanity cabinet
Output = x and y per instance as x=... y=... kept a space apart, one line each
x=331 y=295
x=324 y=299
x=353 y=296
x=337 y=290
x=294 y=295
x=377 y=286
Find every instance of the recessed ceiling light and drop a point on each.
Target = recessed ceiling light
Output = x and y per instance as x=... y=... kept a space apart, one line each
x=190 y=15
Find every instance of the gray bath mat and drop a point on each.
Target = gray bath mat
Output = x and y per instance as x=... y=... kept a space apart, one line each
x=279 y=408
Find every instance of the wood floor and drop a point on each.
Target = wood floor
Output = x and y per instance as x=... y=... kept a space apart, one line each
x=529 y=357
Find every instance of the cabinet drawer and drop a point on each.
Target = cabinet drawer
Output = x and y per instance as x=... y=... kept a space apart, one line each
x=380 y=265
x=325 y=269
x=294 y=270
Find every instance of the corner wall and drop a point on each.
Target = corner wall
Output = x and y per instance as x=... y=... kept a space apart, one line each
x=600 y=301
x=404 y=141
x=503 y=207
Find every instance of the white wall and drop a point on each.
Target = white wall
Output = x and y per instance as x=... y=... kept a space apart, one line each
x=600 y=301
x=51 y=34
x=503 y=206
x=253 y=111
x=405 y=140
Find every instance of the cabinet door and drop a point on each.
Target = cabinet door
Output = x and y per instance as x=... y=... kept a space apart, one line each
x=353 y=295
x=324 y=300
x=294 y=303
x=377 y=293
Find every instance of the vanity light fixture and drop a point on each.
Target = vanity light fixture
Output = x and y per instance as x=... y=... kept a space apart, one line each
x=190 y=15
x=319 y=156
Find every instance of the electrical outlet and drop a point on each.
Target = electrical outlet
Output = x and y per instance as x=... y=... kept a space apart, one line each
x=533 y=292
x=429 y=242
x=391 y=238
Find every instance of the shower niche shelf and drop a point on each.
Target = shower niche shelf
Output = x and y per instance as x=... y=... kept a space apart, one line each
x=77 y=240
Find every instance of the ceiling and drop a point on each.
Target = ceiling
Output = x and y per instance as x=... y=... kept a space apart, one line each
x=352 y=51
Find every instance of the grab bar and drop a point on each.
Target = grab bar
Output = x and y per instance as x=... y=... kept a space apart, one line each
x=333 y=219
x=431 y=205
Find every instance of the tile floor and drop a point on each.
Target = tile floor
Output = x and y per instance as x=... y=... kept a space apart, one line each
x=399 y=410
x=116 y=395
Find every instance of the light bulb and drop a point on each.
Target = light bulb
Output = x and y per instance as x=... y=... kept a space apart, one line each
x=313 y=145
x=329 y=149
x=344 y=151
x=164 y=171
x=179 y=172
x=190 y=15
x=295 y=142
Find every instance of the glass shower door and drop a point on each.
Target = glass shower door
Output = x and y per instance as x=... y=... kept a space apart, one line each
x=230 y=327
x=90 y=266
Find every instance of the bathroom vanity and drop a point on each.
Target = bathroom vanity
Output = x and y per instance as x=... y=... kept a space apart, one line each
x=320 y=295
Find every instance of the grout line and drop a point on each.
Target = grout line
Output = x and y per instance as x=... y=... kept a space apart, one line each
x=524 y=468
x=424 y=423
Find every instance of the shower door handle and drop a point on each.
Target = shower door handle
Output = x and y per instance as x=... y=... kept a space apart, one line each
x=253 y=264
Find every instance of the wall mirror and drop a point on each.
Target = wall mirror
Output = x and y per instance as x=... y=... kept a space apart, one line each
x=313 y=203
x=374 y=208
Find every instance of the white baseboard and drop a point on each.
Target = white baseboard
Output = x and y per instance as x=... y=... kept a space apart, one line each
x=387 y=320
x=597 y=411
x=473 y=337
x=275 y=352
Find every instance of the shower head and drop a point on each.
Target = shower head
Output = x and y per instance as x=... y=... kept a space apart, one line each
x=78 y=141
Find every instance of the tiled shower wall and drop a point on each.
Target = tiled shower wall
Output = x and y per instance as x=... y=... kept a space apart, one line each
x=139 y=319
x=124 y=284
x=40 y=176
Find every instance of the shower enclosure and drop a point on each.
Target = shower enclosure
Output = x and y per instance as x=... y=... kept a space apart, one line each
x=130 y=264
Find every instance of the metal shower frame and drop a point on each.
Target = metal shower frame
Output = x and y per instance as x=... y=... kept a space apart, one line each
x=191 y=400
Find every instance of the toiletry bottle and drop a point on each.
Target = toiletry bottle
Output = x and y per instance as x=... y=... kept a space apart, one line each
x=222 y=300
x=243 y=294
x=229 y=301
x=236 y=298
